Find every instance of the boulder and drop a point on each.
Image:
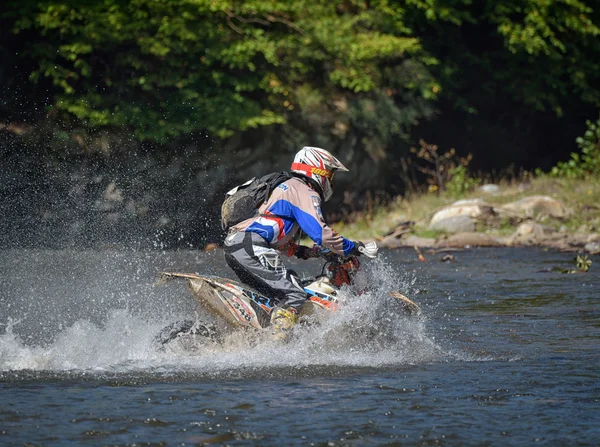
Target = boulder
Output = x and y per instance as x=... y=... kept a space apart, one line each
x=489 y=188
x=593 y=248
x=593 y=237
x=470 y=208
x=454 y=224
x=537 y=205
x=529 y=230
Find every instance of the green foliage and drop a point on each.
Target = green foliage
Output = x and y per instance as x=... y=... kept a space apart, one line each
x=362 y=71
x=561 y=35
x=426 y=233
x=534 y=53
x=446 y=172
x=460 y=180
x=542 y=26
x=587 y=161
x=435 y=165
x=171 y=67
x=583 y=263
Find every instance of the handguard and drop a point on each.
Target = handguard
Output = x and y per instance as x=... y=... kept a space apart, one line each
x=370 y=250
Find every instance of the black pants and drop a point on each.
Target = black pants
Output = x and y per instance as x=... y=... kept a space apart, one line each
x=261 y=267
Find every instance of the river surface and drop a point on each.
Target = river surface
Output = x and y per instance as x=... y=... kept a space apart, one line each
x=504 y=353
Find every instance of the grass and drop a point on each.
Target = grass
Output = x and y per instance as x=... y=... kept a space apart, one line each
x=580 y=196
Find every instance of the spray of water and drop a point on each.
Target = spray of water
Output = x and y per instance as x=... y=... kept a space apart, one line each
x=369 y=330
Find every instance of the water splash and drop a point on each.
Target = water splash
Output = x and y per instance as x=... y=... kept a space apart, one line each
x=368 y=331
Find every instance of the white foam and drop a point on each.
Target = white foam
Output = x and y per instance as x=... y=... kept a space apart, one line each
x=366 y=331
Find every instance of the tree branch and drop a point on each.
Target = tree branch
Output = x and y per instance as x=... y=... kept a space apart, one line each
x=269 y=19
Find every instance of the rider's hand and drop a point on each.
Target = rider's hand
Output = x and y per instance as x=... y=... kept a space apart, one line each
x=370 y=250
x=304 y=252
x=356 y=250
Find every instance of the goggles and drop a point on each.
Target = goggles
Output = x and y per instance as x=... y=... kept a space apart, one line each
x=313 y=170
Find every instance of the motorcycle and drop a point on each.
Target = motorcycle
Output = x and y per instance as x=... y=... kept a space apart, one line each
x=236 y=306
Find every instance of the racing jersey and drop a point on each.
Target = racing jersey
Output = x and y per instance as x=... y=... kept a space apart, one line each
x=293 y=205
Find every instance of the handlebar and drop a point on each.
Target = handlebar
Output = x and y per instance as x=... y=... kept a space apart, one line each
x=370 y=250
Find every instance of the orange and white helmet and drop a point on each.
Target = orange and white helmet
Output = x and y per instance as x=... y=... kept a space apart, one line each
x=319 y=165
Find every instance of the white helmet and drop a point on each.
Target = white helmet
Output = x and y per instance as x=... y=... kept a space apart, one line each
x=319 y=165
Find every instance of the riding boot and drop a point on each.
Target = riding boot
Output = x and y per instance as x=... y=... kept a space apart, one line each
x=283 y=320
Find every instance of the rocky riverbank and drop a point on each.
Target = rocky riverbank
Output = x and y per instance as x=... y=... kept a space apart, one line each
x=458 y=223
x=565 y=218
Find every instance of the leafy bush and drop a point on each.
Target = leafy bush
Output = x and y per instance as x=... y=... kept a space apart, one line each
x=460 y=180
x=587 y=161
x=174 y=67
x=446 y=172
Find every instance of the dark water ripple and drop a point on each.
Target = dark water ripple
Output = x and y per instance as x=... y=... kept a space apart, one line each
x=504 y=355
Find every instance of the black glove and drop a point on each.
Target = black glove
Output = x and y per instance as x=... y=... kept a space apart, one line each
x=304 y=252
x=357 y=245
x=370 y=249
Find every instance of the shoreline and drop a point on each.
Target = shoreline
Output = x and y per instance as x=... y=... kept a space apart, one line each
x=555 y=213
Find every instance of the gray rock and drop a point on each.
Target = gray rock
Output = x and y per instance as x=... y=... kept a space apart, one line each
x=593 y=237
x=537 y=205
x=490 y=189
x=470 y=208
x=454 y=224
x=529 y=230
x=593 y=248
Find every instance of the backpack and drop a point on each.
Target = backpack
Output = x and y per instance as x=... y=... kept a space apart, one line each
x=243 y=201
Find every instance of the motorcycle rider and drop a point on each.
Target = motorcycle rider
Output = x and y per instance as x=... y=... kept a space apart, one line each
x=252 y=247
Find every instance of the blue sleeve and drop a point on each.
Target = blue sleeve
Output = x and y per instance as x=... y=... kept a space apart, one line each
x=348 y=246
x=309 y=225
x=313 y=225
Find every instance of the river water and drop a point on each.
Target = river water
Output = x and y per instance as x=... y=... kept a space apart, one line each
x=504 y=353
